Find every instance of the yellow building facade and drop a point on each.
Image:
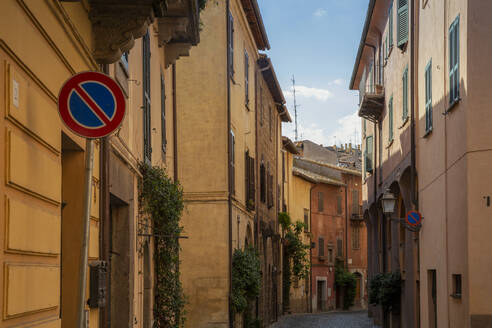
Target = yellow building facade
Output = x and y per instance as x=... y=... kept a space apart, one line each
x=42 y=44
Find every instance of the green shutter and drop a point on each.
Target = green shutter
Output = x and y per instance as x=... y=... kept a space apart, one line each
x=390 y=118
x=368 y=153
x=390 y=28
x=428 y=97
x=402 y=22
x=454 y=62
x=405 y=94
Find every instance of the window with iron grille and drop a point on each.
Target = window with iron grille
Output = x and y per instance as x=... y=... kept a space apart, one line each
x=146 y=98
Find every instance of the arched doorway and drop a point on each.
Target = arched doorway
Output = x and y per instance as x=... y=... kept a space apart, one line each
x=358 y=289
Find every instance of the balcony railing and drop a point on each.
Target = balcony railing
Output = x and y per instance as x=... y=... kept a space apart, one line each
x=371 y=96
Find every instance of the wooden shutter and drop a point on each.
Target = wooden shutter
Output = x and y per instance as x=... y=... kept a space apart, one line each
x=339 y=247
x=252 y=179
x=454 y=76
x=146 y=98
x=355 y=201
x=246 y=77
x=321 y=246
x=339 y=204
x=231 y=44
x=163 y=114
x=390 y=27
x=262 y=183
x=320 y=202
x=402 y=23
x=246 y=176
x=405 y=94
x=369 y=154
x=390 y=119
x=428 y=97
x=232 y=147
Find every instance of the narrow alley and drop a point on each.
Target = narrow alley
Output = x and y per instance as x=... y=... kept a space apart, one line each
x=356 y=319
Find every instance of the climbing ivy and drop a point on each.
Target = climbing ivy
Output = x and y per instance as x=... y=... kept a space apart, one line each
x=201 y=4
x=246 y=278
x=161 y=199
x=385 y=290
x=346 y=281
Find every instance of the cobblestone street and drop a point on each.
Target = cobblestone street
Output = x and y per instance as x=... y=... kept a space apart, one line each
x=327 y=320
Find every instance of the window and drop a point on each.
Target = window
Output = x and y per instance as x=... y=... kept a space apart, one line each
x=454 y=61
x=262 y=183
x=146 y=98
x=232 y=145
x=270 y=189
x=250 y=181
x=262 y=109
x=163 y=115
x=321 y=246
x=330 y=255
x=306 y=220
x=320 y=202
x=390 y=28
x=428 y=97
x=355 y=237
x=124 y=60
x=405 y=95
x=246 y=78
x=231 y=45
x=402 y=22
x=456 y=286
x=369 y=154
x=339 y=205
x=355 y=201
x=339 y=247
x=283 y=167
x=390 y=120
x=432 y=297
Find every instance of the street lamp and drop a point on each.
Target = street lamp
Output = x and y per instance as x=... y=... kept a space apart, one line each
x=389 y=202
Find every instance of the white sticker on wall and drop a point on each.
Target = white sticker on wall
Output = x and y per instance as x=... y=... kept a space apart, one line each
x=15 y=93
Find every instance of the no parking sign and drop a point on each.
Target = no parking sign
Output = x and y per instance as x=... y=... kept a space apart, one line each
x=91 y=104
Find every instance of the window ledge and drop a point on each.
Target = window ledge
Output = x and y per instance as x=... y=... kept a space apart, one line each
x=453 y=105
x=404 y=123
x=390 y=143
x=427 y=133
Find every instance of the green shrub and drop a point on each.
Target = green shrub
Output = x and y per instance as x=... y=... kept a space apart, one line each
x=246 y=278
x=385 y=290
x=346 y=280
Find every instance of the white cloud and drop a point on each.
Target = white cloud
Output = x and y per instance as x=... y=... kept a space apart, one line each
x=310 y=132
x=348 y=130
x=307 y=92
x=338 y=81
x=320 y=12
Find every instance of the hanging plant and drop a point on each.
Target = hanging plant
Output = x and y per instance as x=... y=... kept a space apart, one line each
x=246 y=278
x=347 y=281
x=385 y=290
x=161 y=200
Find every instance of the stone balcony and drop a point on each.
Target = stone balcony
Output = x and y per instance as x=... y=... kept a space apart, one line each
x=117 y=24
x=371 y=98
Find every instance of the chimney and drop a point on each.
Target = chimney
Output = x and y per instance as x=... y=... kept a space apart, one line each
x=350 y=147
x=345 y=147
x=358 y=147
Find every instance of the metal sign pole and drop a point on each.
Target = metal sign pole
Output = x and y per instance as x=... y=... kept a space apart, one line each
x=89 y=165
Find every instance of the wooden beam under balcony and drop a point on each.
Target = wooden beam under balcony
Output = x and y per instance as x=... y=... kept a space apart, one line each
x=372 y=103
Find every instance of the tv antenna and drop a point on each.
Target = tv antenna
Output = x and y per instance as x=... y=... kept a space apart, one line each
x=295 y=105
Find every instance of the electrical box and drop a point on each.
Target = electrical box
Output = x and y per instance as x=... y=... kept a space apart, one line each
x=98 y=284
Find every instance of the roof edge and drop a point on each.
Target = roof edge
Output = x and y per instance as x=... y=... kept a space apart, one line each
x=370 y=11
x=331 y=166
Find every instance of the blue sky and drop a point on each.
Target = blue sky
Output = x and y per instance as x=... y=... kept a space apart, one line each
x=317 y=40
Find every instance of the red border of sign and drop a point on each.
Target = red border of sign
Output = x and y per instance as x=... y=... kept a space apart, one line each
x=413 y=224
x=73 y=125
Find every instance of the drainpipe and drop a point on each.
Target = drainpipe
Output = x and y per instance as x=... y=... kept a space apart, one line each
x=231 y=318
x=175 y=127
x=104 y=213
